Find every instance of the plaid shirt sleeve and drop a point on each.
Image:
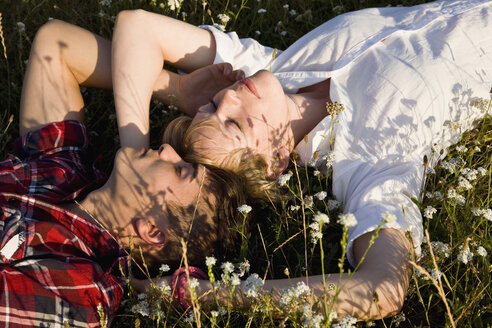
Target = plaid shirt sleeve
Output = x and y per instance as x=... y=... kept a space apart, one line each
x=56 y=269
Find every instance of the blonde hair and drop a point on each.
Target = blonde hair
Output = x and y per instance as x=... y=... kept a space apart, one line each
x=251 y=167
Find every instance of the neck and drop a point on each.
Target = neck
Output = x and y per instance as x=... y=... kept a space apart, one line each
x=307 y=109
x=104 y=209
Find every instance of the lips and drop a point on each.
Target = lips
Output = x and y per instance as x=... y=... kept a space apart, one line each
x=251 y=86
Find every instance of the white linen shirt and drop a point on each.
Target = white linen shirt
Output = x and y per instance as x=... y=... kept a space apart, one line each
x=405 y=75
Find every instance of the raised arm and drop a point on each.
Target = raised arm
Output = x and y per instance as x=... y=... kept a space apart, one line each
x=142 y=41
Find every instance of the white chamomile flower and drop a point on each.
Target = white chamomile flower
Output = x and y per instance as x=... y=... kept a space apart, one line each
x=321 y=195
x=223 y=18
x=284 y=178
x=244 y=209
x=210 y=261
x=164 y=268
x=228 y=267
x=347 y=219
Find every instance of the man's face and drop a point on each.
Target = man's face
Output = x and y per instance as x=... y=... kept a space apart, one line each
x=152 y=179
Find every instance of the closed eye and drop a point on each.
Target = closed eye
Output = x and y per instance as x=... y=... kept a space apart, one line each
x=230 y=120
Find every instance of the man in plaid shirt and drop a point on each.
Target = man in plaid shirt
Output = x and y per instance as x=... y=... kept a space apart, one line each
x=60 y=260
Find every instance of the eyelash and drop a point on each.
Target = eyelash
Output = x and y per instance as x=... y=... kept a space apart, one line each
x=228 y=120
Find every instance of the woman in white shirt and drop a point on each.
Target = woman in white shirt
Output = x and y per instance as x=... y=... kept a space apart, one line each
x=404 y=75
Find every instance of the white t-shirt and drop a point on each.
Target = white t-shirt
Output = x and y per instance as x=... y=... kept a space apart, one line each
x=406 y=77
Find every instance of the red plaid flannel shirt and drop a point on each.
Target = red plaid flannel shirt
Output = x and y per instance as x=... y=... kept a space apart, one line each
x=55 y=267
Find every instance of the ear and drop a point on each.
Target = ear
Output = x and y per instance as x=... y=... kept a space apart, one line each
x=149 y=233
x=279 y=163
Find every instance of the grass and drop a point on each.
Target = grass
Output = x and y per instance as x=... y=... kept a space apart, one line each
x=461 y=295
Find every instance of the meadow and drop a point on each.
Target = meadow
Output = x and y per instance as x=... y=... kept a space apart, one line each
x=451 y=282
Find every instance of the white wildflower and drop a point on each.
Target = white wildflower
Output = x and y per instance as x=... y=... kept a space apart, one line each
x=332 y=316
x=321 y=218
x=315 y=236
x=482 y=251
x=348 y=220
x=452 y=194
x=430 y=170
x=258 y=32
x=284 y=178
x=174 y=4
x=337 y=9
x=429 y=212
x=321 y=195
x=399 y=318
x=243 y=268
x=286 y=6
x=461 y=149
x=470 y=174
x=438 y=195
x=294 y=207
x=329 y=158
x=210 y=261
x=164 y=287
x=194 y=283
x=333 y=204
x=184 y=14
x=214 y=314
x=315 y=172
x=222 y=311
x=164 y=268
x=436 y=274
x=389 y=218
x=316 y=321
x=308 y=201
x=141 y=296
x=346 y=322
x=293 y=294
x=463 y=183
x=429 y=195
x=190 y=318
x=228 y=267
x=261 y=11
x=106 y=3
x=284 y=33
x=482 y=171
x=223 y=18
x=244 y=209
x=440 y=249
x=465 y=255
x=141 y=308
x=101 y=13
x=460 y=200
x=252 y=284
x=292 y=12
x=21 y=27
x=235 y=281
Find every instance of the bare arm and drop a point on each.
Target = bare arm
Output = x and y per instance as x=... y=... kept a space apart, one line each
x=142 y=41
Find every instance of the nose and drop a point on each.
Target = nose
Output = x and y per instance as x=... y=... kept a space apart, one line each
x=228 y=104
x=168 y=154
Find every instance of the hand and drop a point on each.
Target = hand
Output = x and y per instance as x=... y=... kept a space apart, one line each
x=197 y=88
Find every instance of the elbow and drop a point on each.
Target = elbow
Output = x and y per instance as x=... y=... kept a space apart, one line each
x=389 y=298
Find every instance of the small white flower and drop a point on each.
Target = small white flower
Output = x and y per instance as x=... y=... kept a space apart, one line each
x=294 y=207
x=292 y=12
x=332 y=316
x=465 y=256
x=308 y=201
x=321 y=195
x=460 y=200
x=348 y=220
x=184 y=14
x=286 y=6
x=286 y=272
x=436 y=274
x=106 y=3
x=482 y=251
x=141 y=296
x=399 y=318
x=389 y=218
x=141 y=308
x=228 y=267
x=438 y=195
x=164 y=268
x=190 y=318
x=463 y=183
x=244 y=209
x=252 y=284
x=321 y=218
x=164 y=287
x=210 y=261
x=214 y=314
x=283 y=179
x=243 y=268
x=174 y=4
x=223 y=18
x=315 y=172
x=452 y=194
x=261 y=11
x=461 y=149
x=429 y=195
x=315 y=236
x=317 y=320
x=222 y=311
x=284 y=33
x=258 y=32
x=482 y=171
x=440 y=249
x=21 y=26
x=333 y=204
x=346 y=322
x=235 y=281
x=429 y=212
x=194 y=283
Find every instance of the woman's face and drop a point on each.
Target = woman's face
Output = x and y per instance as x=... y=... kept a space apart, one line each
x=251 y=113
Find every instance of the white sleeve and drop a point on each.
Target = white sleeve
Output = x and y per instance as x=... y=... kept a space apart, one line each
x=245 y=54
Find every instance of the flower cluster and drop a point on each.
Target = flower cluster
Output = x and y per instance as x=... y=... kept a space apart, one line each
x=347 y=220
x=284 y=178
x=346 y=322
x=252 y=284
x=293 y=294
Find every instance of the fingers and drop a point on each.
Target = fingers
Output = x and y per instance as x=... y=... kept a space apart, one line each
x=227 y=71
